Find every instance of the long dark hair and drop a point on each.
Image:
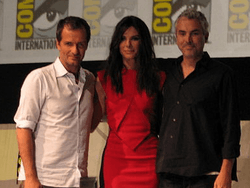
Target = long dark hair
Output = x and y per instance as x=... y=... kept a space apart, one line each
x=147 y=76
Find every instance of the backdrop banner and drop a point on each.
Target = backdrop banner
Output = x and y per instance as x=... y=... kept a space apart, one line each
x=27 y=27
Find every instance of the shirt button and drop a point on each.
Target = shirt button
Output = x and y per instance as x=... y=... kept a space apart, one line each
x=178 y=102
x=171 y=136
x=174 y=120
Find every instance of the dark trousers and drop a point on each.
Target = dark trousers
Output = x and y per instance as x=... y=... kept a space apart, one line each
x=175 y=181
x=57 y=187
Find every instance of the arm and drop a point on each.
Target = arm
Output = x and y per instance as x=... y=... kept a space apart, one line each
x=26 y=148
x=27 y=116
x=224 y=178
x=99 y=104
x=230 y=120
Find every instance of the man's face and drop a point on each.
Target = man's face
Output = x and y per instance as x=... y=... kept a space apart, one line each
x=72 y=48
x=190 y=38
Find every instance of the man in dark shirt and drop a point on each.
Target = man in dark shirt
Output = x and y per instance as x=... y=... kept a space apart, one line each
x=200 y=131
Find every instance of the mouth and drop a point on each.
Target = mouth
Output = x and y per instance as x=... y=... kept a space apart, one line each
x=75 y=59
x=189 y=47
x=129 y=51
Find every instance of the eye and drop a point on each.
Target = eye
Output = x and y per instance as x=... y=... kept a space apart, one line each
x=181 y=33
x=81 y=45
x=47 y=16
x=136 y=38
x=115 y=11
x=68 y=44
x=47 y=20
x=115 y=15
x=120 y=12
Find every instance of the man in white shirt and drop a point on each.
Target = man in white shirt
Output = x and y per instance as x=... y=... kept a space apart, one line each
x=55 y=112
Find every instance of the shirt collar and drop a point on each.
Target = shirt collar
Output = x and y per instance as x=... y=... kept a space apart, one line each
x=203 y=62
x=61 y=71
x=82 y=75
x=59 y=68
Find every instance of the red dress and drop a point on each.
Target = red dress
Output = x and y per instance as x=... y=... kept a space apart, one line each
x=130 y=152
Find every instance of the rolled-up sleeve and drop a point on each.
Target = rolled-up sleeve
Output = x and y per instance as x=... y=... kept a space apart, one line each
x=230 y=117
x=31 y=100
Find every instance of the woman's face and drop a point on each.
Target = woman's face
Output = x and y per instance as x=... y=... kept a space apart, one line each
x=129 y=46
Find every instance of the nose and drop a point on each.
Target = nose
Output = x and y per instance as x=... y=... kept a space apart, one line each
x=128 y=43
x=188 y=38
x=75 y=49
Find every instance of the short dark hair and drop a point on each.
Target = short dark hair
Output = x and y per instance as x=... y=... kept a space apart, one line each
x=72 y=23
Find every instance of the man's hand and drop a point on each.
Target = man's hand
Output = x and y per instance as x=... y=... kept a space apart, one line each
x=32 y=183
x=223 y=181
x=224 y=178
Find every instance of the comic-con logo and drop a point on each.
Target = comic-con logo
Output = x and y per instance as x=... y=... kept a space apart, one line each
x=238 y=21
x=238 y=15
x=165 y=12
x=37 y=21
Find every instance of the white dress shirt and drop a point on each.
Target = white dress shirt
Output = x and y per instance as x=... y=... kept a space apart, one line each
x=59 y=112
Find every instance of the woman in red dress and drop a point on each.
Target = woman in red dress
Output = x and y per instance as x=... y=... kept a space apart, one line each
x=130 y=89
